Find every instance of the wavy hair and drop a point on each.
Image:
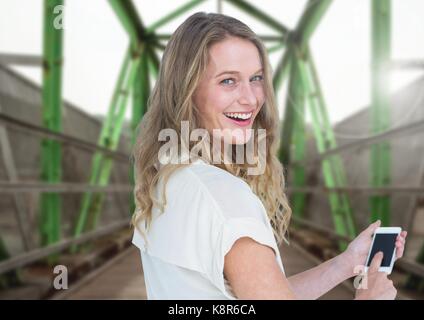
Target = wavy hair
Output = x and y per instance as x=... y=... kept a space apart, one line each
x=184 y=61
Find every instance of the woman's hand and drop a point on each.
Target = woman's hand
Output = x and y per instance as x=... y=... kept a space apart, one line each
x=375 y=285
x=357 y=251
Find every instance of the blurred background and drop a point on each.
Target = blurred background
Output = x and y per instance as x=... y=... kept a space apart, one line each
x=75 y=77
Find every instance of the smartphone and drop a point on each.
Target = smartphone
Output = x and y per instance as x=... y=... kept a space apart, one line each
x=384 y=239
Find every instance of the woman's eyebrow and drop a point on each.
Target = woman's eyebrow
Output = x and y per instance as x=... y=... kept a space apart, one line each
x=234 y=72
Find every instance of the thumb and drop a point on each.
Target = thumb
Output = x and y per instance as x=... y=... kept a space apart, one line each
x=376 y=262
x=372 y=227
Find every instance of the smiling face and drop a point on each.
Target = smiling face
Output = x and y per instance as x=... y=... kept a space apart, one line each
x=230 y=93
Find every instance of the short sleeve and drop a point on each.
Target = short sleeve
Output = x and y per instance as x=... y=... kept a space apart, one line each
x=232 y=230
x=138 y=240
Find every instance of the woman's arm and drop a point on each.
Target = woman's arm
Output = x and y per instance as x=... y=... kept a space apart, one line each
x=315 y=282
x=253 y=272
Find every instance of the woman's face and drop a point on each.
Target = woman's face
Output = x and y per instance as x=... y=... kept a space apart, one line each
x=230 y=93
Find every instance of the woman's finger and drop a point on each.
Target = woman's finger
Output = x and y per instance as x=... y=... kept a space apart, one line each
x=401 y=236
x=400 y=244
x=399 y=251
x=401 y=241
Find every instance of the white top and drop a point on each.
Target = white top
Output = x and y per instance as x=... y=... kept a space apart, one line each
x=207 y=210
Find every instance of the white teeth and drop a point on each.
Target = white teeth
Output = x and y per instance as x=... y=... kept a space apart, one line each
x=243 y=116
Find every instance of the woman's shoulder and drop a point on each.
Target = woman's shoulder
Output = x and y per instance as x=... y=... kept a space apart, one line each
x=204 y=182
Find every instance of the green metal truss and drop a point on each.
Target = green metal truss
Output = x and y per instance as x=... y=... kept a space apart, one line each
x=140 y=61
x=332 y=168
x=309 y=21
x=299 y=37
x=109 y=138
x=49 y=222
x=282 y=70
x=260 y=16
x=140 y=35
x=380 y=107
x=127 y=14
x=153 y=62
x=295 y=135
x=141 y=92
x=284 y=151
x=174 y=14
x=304 y=89
x=304 y=95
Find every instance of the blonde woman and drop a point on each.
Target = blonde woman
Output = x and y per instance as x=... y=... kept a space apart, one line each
x=209 y=229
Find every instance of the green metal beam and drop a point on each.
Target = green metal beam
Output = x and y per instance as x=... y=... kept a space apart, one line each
x=293 y=133
x=260 y=15
x=289 y=113
x=299 y=150
x=332 y=169
x=275 y=48
x=153 y=61
x=172 y=15
x=51 y=171
x=156 y=43
x=311 y=17
x=112 y=126
x=282 y=70
x=106 y=139
x=336 y=162
x=113 y=137
x=141 y=92
x=380 y=109
x=293 y=139
x=131 y=21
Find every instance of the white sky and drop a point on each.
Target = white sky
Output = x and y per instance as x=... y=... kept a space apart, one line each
x=95 y=43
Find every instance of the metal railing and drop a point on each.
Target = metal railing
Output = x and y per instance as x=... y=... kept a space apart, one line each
x=38 y=254
x=47 y=133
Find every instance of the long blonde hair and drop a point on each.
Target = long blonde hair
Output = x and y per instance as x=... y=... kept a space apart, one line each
x=184 y=61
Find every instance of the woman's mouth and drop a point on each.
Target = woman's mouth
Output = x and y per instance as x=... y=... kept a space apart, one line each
x=240 y=118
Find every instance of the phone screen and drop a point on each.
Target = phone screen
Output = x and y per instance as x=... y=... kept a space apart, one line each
x=383 y=242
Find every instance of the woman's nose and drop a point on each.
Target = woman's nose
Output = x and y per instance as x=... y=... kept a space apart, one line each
x=247 y=96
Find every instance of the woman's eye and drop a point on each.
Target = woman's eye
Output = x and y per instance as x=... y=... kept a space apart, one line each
x=228 y=81
x=257 y=78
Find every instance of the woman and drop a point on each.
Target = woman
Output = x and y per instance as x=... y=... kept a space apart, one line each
x=208 y=228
